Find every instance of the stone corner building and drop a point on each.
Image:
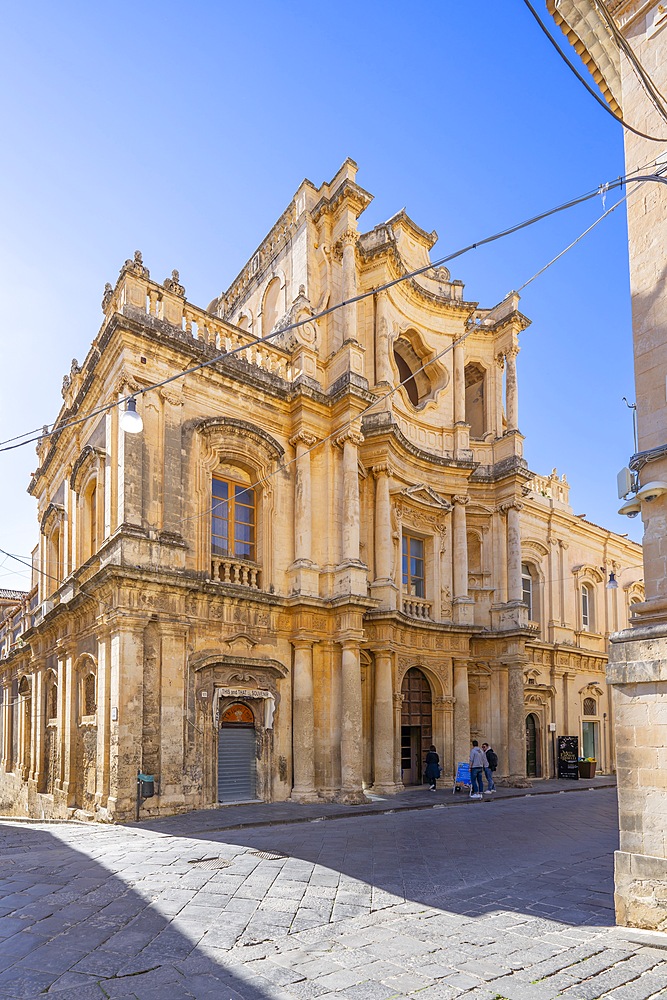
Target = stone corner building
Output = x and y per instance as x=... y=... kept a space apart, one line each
x=292 y=582
x=624 y=44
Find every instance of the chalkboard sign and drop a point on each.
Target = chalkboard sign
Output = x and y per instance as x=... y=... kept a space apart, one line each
x=568 y=753
x=462 y=776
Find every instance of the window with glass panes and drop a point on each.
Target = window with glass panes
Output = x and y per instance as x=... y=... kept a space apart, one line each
x=413 y=566
x=585 y=608
x=527 y=589
x=232 y=520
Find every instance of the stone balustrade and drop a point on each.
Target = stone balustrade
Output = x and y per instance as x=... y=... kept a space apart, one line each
x=235 y=572
x=137 y=294
x=415 y=607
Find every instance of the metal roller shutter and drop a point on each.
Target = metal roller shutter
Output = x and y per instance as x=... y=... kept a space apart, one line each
x=237 y=765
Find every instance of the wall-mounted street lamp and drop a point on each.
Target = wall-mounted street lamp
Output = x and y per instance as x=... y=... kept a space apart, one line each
x=130 y=420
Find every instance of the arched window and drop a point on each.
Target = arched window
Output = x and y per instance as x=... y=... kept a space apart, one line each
x=416 y=382
x=586 y=608
x=474 y=552
x=270 y=307
x=51 y=698
x=590 y=706
x=243 y=322
x=54 y=562
x=89 y=694
x=475 y=377
x=527 y=589
x=89 y=521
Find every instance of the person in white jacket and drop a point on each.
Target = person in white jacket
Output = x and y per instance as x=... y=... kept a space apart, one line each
x=478 y=762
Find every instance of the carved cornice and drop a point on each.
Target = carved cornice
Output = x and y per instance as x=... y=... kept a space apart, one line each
x=83 y=462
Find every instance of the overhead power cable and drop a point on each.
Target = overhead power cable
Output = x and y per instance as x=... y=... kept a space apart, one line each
x=603 y=104
x=30 y=437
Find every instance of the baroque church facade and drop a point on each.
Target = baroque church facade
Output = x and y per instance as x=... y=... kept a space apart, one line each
x=323 y=552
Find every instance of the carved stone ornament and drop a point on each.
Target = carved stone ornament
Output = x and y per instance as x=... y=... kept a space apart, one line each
x=503 y=508
x=355 y=436
x=173 y=284
x=136 y=266
x=426 y=496
x=459 y=499
x=107 y=297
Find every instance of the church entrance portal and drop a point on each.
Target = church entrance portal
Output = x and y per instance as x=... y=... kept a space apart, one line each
x=237 y=755
x=416 y=725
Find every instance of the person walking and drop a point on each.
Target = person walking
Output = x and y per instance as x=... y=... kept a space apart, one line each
x=432 y=772
x=491 y=765
x=477 y=764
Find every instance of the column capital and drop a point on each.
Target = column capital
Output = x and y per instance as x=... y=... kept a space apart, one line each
x=505 y=508
x=511 y=352
x=303 y=437
x=348 y=237
x=382 y=469
x=300 y=643
x=460 y=499
x=500 y=360
x=352 y=435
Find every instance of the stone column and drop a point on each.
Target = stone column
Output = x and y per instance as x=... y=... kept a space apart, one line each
x=351 y=577
x=348 y=244
x=351 y=725
x=383 y=587
x=461 y=712
x=351 y=510
x=383 y=726
x=38 y=727
x=382 y=362
x=461 y=601
x=516 y=725
x=172 y=710
x=6 y=727
x=459 y=383
x=511 y=391
x=514 y=588
x=103 y=718
x=498 y=373
x=303 y=725
x=68 y=732
x=302 y=498
x=398 y=713
x=171 y=495
x=126 y=694
x=499 y=556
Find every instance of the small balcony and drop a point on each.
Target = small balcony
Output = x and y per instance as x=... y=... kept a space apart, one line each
x=235 y=572
x=415 y=607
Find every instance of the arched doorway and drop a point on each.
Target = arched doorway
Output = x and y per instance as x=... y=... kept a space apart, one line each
x=237 y=755
x=533 y=769
x=416 y=725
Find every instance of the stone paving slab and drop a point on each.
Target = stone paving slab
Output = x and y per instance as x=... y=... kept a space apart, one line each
x=511 y=902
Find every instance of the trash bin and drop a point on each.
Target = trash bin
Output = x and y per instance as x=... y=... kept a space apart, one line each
x=146 y=785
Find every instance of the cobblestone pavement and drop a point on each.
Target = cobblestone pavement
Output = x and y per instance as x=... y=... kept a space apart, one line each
x=506 y=899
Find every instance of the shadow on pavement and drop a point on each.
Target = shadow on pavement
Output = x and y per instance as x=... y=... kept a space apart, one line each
x=548 y=856
x=68 y=928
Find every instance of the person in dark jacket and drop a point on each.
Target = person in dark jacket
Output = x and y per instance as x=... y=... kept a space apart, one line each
x=432 y=772
x=492 y=760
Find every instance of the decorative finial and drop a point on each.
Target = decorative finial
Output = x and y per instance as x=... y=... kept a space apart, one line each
x=173 y=284
x=108 y=295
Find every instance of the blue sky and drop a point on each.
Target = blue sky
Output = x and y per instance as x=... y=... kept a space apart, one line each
x=184 y=130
